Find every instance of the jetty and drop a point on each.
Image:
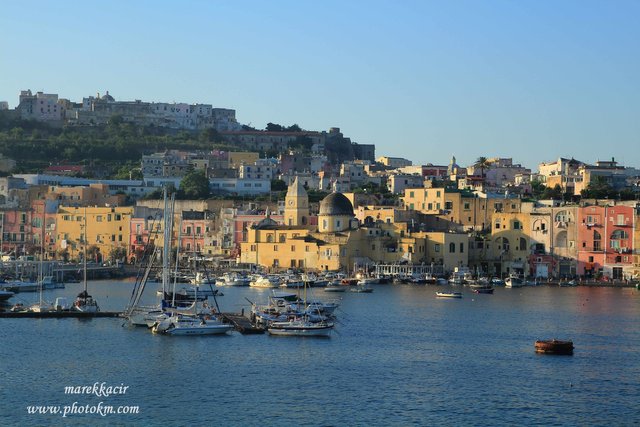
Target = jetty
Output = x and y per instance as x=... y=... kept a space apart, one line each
x=57 y=314
x=241 y=323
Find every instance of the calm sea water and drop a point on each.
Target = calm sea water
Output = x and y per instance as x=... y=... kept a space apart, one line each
x=399 y=356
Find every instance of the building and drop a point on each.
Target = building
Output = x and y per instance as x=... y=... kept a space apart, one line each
x=394 y=162
x=605 y=241
x=105 y=231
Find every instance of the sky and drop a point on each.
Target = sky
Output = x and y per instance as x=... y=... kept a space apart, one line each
x=424 y=80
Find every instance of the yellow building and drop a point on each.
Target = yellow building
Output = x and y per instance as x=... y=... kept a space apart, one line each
x=237 y=158
x=106 y=228
x=463 y=210
x=341 y=243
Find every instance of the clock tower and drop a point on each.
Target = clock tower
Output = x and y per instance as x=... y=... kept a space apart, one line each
x=296 y=210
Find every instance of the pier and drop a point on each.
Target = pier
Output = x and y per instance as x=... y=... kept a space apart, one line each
x=57 y=314
x=241 y=323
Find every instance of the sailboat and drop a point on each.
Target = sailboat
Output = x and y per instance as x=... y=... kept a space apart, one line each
x=85 y=302
x=41 y=306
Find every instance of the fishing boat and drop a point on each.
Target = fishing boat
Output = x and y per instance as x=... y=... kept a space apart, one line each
x=554 y=347
x=449 y=294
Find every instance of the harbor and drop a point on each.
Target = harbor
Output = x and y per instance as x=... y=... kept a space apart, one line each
x=441 y=351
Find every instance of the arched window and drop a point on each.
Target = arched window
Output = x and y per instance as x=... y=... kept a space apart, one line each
x=619 y=235
x=452 y=248
x=503 y=244
x=283 y=238
x=523 y=244
x=269 y=238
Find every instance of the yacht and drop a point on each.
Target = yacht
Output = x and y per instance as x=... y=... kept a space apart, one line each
x=265 y=282
x=184 y=324
x=301 y=327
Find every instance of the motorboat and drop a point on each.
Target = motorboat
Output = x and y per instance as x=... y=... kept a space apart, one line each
x=183 y=324
x=265 y=282
x=233 y=279
x=335 y=287
x=513 y=281
x=17 y=286
x=554 y=347
x=301 y=327
x=567 y=283
x=485 y=290
x=449 y=294
x=362 y=289
x=203 y=279
x=496 y=281
x=50 y=282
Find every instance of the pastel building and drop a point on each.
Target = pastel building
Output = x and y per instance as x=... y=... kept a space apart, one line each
x=605 y=241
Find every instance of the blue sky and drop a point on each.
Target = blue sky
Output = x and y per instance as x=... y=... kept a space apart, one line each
x=532 y=80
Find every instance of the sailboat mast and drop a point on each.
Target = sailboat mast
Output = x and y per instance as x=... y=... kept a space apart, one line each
x=84 y=249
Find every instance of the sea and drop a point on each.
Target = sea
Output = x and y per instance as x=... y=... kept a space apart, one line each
x=399 y=356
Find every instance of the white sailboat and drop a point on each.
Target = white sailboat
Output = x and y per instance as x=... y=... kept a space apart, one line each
x=85 y=302
x=41 y=306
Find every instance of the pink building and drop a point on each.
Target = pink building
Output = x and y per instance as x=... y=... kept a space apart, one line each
x=17 y=237
x=605 y=240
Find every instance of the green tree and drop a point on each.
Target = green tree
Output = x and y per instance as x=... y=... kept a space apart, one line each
x=194 y=185
x=274 y=127
x=278 y=185
x=482 y=163
x=598 y=188
x=537 y=188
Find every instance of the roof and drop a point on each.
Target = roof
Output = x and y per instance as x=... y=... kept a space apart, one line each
x=336 y=204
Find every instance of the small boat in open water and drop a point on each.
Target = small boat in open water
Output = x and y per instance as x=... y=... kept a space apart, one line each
x=554 y=347
x=449 y=294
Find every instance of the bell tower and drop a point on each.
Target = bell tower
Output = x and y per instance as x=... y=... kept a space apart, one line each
x=296 y=210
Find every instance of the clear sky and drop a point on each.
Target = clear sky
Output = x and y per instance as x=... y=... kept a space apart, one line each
x=532 y=80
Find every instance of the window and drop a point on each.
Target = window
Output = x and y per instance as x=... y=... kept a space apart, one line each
x=452 y=248
x=517 y=225
x=282 y=238
x=275 y=248
x=99 y=218
x=466 y=206
x=461 y=247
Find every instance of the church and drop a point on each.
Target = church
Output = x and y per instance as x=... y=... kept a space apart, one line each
x=338 y=242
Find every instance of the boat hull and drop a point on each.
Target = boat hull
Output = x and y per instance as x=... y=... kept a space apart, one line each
x=554 y=347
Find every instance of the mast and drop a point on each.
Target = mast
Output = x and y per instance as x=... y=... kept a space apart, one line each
x=84 y=249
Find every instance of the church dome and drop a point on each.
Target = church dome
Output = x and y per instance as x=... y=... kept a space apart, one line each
x=107 y=97
x=336 y=204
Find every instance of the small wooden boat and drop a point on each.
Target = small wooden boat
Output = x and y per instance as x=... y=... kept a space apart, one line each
x=554 y=347
x=449 y=294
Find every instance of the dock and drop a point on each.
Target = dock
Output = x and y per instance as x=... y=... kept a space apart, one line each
x=57 y=314
x=241 y=323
